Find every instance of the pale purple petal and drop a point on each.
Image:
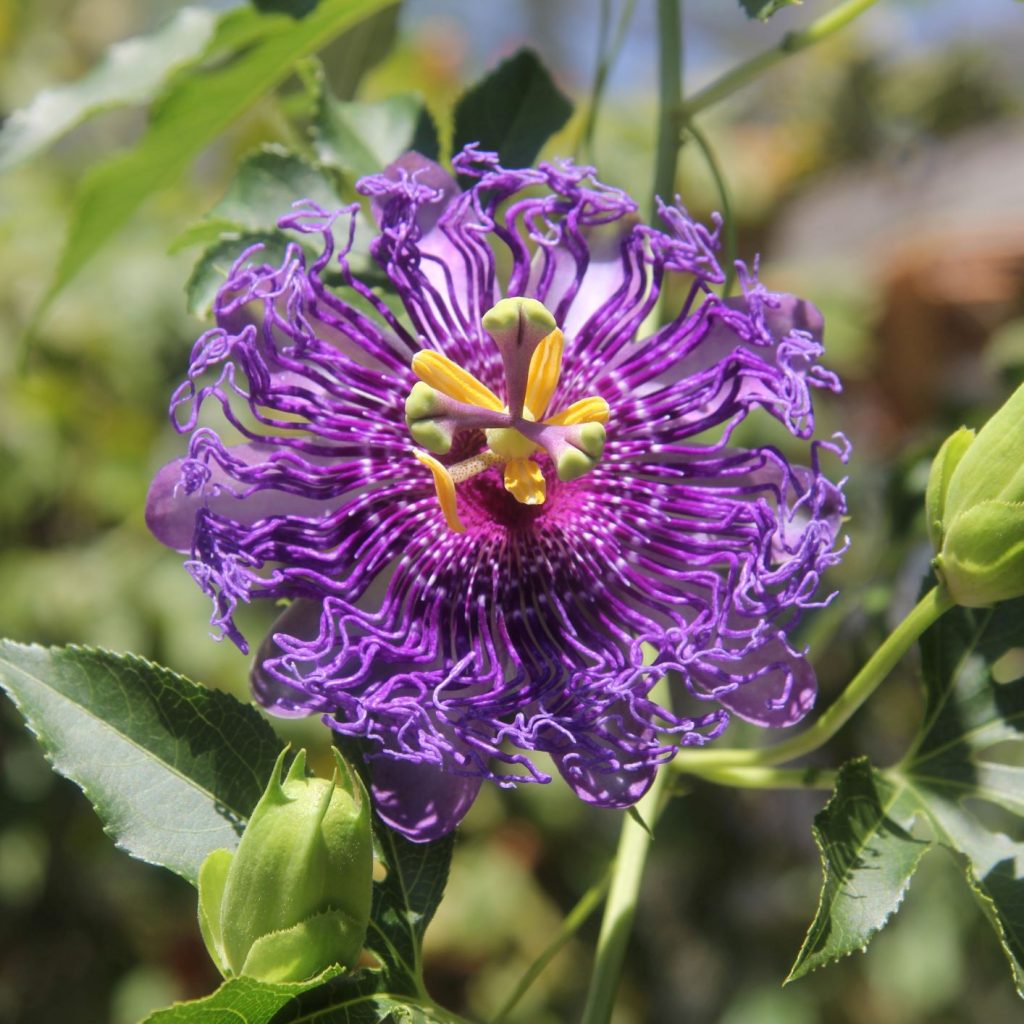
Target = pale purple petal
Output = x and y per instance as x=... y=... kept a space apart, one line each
x=770 y=686
x=419 y=800
x=181 y=488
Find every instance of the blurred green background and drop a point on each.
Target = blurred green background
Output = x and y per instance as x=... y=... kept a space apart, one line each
x=879 y=175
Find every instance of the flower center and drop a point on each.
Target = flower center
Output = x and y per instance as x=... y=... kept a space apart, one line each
x=448 y=399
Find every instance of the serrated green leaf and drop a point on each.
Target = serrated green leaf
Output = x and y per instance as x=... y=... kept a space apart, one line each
x=764 y=9
x=867 y=860
x=268 y=182
x=266 y=185
x=130 y=74
x=951 y=770
x=212 y=268
x=404 y=904
x=193 y=113
x=206 y=232
x=172 y=768
x=363 y=138
x=331 y=998
x=512 y=111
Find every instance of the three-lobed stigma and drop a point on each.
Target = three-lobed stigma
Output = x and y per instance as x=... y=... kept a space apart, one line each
x=447 y=399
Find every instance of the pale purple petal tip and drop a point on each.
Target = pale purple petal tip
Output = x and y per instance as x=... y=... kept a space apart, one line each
x=421 y=801
x=621 y=787
x=779 y=690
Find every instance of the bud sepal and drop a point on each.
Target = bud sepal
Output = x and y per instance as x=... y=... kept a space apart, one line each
x=974 y=505
x=294 y=898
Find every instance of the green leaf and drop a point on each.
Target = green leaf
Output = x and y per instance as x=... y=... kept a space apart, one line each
x=131 y=73
x=764 y=9
x=963 y=777
x=212 y=268
x=172 y=768
x=513 y=111
x=331 y=998
x=867 y=860
x=954 y=770
x=193 y=113
x=363 y=138
x=268 y=182
x=404 y=903
x=264 y=189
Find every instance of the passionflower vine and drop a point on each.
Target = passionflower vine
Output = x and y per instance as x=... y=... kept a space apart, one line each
x=500 y=504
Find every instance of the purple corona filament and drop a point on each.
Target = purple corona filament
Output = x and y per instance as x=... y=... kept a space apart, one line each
x=500 y=507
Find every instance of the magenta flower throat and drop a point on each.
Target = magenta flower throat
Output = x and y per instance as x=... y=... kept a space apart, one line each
x=502 y=505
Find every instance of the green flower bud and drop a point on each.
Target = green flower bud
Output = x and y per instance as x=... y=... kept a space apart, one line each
x=982 y=558
x=975 y=509
x=294 y=898
x=947 y=459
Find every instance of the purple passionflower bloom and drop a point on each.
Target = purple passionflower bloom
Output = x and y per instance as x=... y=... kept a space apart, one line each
x=502 y=504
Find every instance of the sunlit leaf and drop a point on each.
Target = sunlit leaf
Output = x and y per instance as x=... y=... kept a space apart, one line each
x=172 y=768
x=404 y=904
x=266 y=186
x=198 y=108
x=513 y=111
x=332 y=998
x=212 y=268
x=963 y=781
x=363 y=138
x=131 y=73
x=867 y=860
x=956 y=769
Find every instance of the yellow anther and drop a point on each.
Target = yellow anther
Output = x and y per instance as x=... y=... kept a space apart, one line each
x=452 y=380
x=586 y=410
x=545 y=369
x=525 y=481
x=445 y=488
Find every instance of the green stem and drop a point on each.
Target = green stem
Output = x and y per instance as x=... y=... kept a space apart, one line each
x=791 y=42
x=670 y=98
x=619 y=910
x=588 y=903
x=935 y=603
x=729 y=222
x=768 y=778
x=608 y=49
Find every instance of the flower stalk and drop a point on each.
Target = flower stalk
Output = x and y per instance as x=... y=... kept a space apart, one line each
x=670 y=94
x=630 y=860
x=792 y=42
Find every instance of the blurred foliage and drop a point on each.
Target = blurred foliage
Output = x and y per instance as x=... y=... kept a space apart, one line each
x=881 y=181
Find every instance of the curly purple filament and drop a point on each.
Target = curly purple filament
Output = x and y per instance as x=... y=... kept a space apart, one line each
x=542 y=627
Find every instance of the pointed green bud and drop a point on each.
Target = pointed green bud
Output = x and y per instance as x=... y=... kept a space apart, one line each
x=982 y=558
x=583 y=454
x=294 y=898
x=993 y=466
x=424 y=412
x=975 y=509
x=947 y=459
